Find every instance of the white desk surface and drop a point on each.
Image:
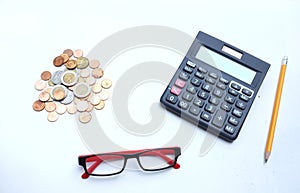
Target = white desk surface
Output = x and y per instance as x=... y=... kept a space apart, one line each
x=39 y=156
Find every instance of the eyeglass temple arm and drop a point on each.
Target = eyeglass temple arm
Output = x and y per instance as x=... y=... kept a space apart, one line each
x=98 y=161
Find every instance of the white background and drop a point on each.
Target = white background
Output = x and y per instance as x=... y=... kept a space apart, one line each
x=38 y=156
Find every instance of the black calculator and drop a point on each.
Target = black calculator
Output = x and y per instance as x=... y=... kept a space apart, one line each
x=215 y=86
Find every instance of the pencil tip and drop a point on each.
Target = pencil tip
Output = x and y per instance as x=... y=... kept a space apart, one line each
x=267 y=155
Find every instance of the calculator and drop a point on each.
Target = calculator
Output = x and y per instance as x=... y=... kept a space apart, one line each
x=215 y=86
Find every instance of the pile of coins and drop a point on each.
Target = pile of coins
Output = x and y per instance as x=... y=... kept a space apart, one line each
x=75 y=87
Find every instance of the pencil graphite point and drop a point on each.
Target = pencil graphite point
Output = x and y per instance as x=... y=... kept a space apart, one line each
x=267 y=155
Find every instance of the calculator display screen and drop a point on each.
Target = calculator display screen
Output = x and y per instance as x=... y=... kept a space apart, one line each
x=226 y=65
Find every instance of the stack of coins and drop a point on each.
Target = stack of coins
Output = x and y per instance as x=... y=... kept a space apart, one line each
x=77 y=86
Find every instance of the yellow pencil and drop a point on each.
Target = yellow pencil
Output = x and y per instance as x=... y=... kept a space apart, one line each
x=275 y=108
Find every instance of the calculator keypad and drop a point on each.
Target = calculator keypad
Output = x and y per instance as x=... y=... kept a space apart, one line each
x=210 y=98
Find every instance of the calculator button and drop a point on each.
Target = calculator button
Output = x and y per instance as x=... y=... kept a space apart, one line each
x=229 y=129
x=223 y=80
x=218 y=93
x=233 y=121
x=188 y=69
x=194 y=110
x=184 y=76
x=207 y=87
x=196 y=81
x=175 y=90
x=203 y=70
x=214 y=100
x=244 y=97
x=219 y=118
x=199 y=75
x=226 y=107
x=233 y=92
x=210 y=108
x=172 y=99
x=205 y=116
x=247 y=92
x=240 y=104
x=191 y=89
x=198 y=102
x=187 y=96
x=210 y=80
x=191 y=64
x=221 y=86
x=183 y=104
x=202 y=94
x=235 y=86
x=180 y=83
x=213 y=75
x=229 y=99
x=237 y=113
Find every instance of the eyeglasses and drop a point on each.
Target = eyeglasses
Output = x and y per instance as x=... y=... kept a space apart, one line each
x=108 y=164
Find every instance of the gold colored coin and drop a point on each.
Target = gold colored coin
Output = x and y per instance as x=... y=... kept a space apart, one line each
x=71 y=64
x=90 y=80
x=44 y=96
x=50 y=106
x=94 y=63
x=100 y=106
x=76 y=100
x=58 y=93
x=48 y=90
x=104 y=95
x=78 y=53
x=80 y=79
x=52 y=116
x=82 y=62
x=65 y=57
x=61 y=109
x=69 y=78
x=90 y=108
x=72 y=108
x=38 y=105
x=97 y=88
x=50 y=83
x=58 y=61
x=97 y=72
x=40 y=85
x=69 y=52
x=85 y=72
x=46 y=75
x=85 y=117
x=106 y=83
x=94 y=100
x=82 y=106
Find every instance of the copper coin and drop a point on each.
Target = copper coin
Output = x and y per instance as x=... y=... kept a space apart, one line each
x=94 y=63
x=100 y=105
x=50 y=106
x=94 y=100
x=40 y=85
x=69 y=52
x=97 y=72
x=61 y=109
x=85 y=117
x=44 y=96
x=78 y=53
x=52 y=116
x=58 y=61
x=38 y=105
x=71 y=64
x=106 y=83
x=90 y=108
x=65 y=57
x=72 y=108
x=48 y=90
x=46 y=75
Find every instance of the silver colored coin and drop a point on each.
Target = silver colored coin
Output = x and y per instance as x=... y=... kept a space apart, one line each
x=82 y=90
x=85 y=72
x=69 y=98
x=82 y=106
x=82 y=62
x=90 y=80
x=56 y=77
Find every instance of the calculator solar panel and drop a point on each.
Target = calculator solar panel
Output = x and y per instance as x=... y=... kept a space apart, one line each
x=215 y=86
